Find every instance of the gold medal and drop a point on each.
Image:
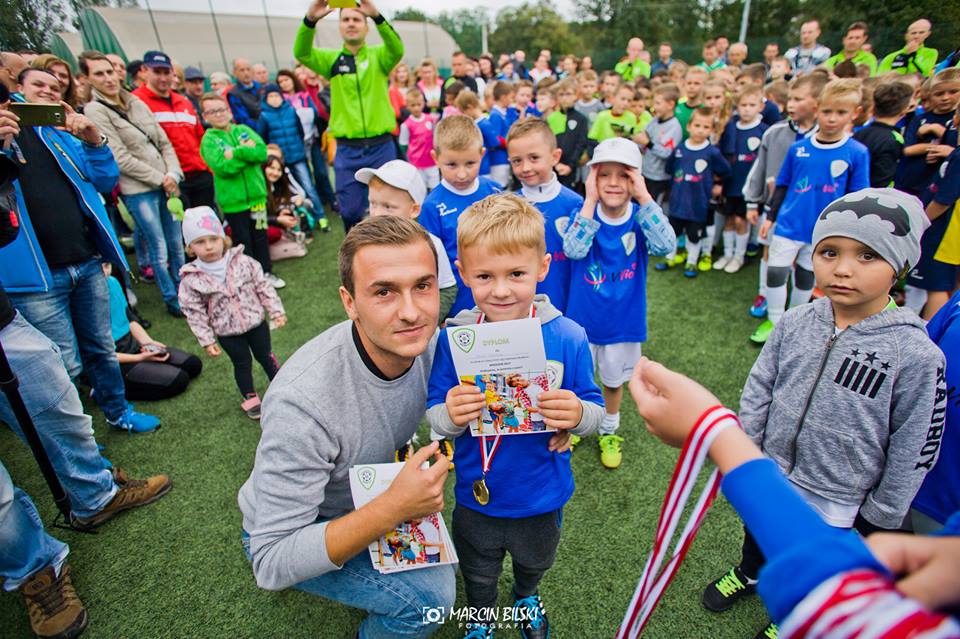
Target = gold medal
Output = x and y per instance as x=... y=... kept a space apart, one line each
x=480 y=492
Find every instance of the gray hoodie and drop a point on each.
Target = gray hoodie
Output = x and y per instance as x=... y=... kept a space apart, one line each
x=439 y=418
x=848 y=416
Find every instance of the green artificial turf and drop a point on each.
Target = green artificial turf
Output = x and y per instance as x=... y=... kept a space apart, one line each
x=176 y=569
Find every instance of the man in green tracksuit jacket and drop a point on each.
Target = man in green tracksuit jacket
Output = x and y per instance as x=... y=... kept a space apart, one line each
x=361 y=117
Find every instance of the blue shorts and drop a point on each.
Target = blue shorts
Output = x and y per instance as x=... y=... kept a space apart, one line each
x=931 y=275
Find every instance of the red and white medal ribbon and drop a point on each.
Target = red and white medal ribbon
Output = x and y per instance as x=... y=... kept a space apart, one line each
x=653 y=581
x=486 y=456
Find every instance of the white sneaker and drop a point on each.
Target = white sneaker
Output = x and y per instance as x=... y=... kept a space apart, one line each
x=275 y=281
x=721 y=263
x=734 y=265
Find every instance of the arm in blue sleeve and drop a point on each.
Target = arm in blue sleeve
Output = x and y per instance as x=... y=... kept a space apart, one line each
x=801 y=550
x=660 y=236
x=100 y=167
x=579 y=237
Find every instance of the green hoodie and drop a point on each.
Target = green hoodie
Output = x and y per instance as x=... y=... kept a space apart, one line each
x=239 y=181
x=360 y=102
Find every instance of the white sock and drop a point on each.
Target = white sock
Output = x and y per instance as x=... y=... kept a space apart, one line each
x=740 y=244
x=729 y=237
x=693 y=252
x=708 y=243
x=800 y=296
x=776 y=302
x=719 y=221
x=672 y=255
x=916 y=298
x=762 y=289
x=610 y=423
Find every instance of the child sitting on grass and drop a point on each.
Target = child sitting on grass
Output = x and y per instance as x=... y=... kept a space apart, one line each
x=607 y=246
x=848 y=391
x=502 y=257
x=223 y=293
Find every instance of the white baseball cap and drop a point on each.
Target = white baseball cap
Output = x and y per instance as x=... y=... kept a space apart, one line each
x=398 y=174
x=619 y=150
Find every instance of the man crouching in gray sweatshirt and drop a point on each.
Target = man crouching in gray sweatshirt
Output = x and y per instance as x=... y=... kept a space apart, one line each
x=353 y=395
x=848 y=395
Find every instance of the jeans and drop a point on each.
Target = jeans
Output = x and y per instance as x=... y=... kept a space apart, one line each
x=164 y=240
x=396 y=602
x=352 y=194
x=320 y=175
x=74 y=315
x=54 y=405
x=301 y=173
x=25 y=547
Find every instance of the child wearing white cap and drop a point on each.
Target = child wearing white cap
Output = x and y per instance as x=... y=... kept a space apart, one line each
x=607 y=243
x=223 y=293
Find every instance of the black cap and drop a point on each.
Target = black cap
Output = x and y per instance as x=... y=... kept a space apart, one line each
x=157 y=59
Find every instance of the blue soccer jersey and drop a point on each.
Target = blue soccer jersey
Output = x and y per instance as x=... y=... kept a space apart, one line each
x=741 y=143
x=439 y=215
x=914 y=173
x=771 y=113
x=693 y=170
x=608 y=286
x=491 y=142
x=815 y=174
x=495 y=137
x=557 y=211
x=525 y=478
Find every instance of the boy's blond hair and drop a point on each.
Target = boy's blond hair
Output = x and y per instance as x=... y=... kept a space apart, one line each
x=532 y=126
x=457 y=133
x=502 y=224
x=951 y=75
x=843 y=90
x=567 y=84
x=751 y=89
x=695 y=70
x=587 y=75
x=467 y=100
x=668 y=91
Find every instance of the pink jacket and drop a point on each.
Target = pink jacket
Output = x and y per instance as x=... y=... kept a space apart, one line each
x=214 y=308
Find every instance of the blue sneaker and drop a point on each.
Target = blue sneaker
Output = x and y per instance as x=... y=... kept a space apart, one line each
x=532 y=620
x=135 y=422
x=478 y=631
x=759 y=307
x=690 y=271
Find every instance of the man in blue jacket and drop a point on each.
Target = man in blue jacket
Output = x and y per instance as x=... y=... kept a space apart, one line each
x=52 y=270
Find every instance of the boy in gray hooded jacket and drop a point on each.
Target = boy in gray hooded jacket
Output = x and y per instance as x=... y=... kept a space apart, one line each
x=848 y=395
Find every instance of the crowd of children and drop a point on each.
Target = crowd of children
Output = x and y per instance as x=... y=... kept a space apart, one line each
x=830 y=181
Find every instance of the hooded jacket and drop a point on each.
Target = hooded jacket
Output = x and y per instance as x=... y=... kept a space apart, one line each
x=854 y=417
x=178 y=118
x=281 y=126
x=239 y=182
x=214 y=308
x=142 y=150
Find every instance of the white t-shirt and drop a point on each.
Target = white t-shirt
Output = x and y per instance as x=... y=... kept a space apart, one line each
x=444 y=269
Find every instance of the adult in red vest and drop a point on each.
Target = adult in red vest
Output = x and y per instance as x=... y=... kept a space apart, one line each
x=183 y=126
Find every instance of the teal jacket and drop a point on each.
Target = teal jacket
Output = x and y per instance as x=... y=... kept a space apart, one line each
x=360 y=102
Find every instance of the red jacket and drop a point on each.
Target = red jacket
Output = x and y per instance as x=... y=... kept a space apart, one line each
x=179 y=121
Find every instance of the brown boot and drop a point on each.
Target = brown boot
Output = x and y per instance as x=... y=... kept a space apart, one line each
x=131 y=494
x=55 y=610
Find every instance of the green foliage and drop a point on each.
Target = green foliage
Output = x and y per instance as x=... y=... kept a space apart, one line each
x=79 y=5
x=28 y=24
x=533 y=26
x=465 y=25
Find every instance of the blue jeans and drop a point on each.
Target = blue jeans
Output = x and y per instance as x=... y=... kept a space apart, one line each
x=25 y=547
x=352 y=194
x=74 y=314
x=320 y=174
x=395 y=602
x=301 y=172
x=163 y=237
x=54 y=405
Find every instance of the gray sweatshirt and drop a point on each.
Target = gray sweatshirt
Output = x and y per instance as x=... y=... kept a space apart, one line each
x=325 y=412
x=774 y=145
x=665 y=137
x=846 y=416
x=439 y=418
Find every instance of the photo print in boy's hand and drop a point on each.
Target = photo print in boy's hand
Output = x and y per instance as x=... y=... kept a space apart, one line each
x=510 y=403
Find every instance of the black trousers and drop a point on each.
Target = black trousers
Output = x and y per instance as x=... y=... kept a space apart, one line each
x=243 y=230
x=239 y=347
x=197 y=190
x=752 y=560
x=151 y=381
x=659 y=190
x=483 y=541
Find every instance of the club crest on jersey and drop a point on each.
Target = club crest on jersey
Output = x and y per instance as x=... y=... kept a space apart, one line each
x=837 y=167
x=571 y=124
x=753 y=143
x=429 y=125
x=629 y=242
x=561 y=223
x=700 y=165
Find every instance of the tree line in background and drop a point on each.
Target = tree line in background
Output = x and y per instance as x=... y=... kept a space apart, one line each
x=601 y=28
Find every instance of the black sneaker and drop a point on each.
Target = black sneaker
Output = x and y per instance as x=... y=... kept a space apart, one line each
x=725 y=591
x=770 y=632
x=531 y=618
